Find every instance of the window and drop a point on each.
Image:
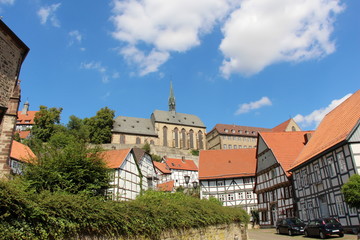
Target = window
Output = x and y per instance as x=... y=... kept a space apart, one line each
x=230 y=197
x=221 y=197
x=286 y=192
x=235 y=146
x=293 y=129
x=340 y=205
x=183 y=136
x=317 y=176
x=273 y=173
x=249 y=195
x=191 y=137
x=200 y=137
x=226 y=130
x=240 y=146
x=165 y=136
x=225 y=146
x=264 y=216
x=241 y=195
x=331 y=166
x=138 y=140
x=305 y=177
x=122 y=139
x=232 y=130
x=341 y=160
x=230 y=146
x=176 y=137
x=220 y=183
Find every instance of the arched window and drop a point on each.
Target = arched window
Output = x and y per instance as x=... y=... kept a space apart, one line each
x=191 y=136
x=293 y=129
x=165 y=136
x=183 y=136
x=176 y=137
x=138 y=140
x=201 y=142
x=152 y=142
x=122 y=139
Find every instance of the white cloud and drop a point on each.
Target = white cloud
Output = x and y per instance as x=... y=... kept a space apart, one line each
x=48 y=14
x=263 y=32
x=163 y=26
x=103 y=71
x=9 y=2
x=314 y=118
x=246 y=107
x=75 y=36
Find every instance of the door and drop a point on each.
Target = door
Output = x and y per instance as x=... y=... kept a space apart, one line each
x=273 y=215
x=324 y=210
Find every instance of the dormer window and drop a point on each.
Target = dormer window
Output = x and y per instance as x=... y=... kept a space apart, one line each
x=226 y=130
x=240 y=131
x=232 y=130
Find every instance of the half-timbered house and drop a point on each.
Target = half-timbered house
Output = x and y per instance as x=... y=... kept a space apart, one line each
x=184 y=172
x=276 y=151
x=229 y=176
x=20 y=155
x=133 y=172
x=326 y=163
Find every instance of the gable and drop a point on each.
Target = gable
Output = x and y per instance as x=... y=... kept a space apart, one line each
x=355 y=135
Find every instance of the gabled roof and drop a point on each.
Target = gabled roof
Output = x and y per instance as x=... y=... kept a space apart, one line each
x=139 y=154
x=285 y=126
x=162 y=167
x=234 y=163
x=114 y=158
x=166 y=187
x=226 y=129
x=23 y=134
x=180 y=164
x=286 y=146
x=177 y=118
x=132 y=125
x=26 y=118
x=333 y=129
x=21 y=152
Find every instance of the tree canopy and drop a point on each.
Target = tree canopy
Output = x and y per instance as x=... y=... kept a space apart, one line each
x=351 y=191
x=100 y=126
x=46 y=121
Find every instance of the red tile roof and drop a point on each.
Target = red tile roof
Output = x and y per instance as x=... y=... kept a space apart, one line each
x=166 y=187
x=23 y=134
x=26 y=118
x=286 y=146
x=114 y=158
x=231 y=163
x=282 y=126
x=21 y=152
x=229 y=127
x=179 y=164
x=333 y=129
x=162 y=167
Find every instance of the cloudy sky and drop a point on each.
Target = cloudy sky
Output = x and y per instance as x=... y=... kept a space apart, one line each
x=249 y=62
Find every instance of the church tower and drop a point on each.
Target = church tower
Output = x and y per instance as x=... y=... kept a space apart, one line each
x=172 y=105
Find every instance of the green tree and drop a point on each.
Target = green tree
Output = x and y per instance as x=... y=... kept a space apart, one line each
x=77 y=128
x=100 y=126
x=351 y=191
x=46 y=123
x=69 y=167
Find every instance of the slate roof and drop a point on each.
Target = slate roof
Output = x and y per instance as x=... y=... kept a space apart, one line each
x=230 y=163
x=335 y=127
x=177 y=118
x=167 y=186
x=114 y=158
x=131 y=125
x=26 y=118
x=286 y=146
x=21 y=152
x=162 y=167
x=179 y=164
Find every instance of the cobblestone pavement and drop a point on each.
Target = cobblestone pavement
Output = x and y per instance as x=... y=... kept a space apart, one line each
x=270 y=234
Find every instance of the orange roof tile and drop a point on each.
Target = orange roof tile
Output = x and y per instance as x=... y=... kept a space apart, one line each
x=21 y=152
x=174 y=163
x=23 y=134
x=166 y=187
x=26 y=118
x=286 y=146
x=229 y=127
x=333 y=129
x=231 y=163
x=282 y=126
x=114 y=158
x=162 y=167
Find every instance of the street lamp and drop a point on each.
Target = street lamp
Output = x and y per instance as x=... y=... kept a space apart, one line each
x=195 y=184
x=187 y=180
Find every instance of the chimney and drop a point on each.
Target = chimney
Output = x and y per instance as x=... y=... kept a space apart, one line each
x=183 y=159
x=307 y=137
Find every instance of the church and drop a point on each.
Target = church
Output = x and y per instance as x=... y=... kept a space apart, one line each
x=164 y=128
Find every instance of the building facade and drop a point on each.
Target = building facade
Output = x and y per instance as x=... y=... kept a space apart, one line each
x=226 y=136
x=164 y=128
x=229 y=176
x=326 y=163
x=133 y=172
x=276 y=152
x=12 y=54
x=20 y=156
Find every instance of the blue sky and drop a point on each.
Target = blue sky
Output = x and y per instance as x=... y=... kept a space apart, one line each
x=251 y=62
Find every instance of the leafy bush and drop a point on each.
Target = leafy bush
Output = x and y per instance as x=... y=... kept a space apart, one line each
x=351 y=191
x=60 y=215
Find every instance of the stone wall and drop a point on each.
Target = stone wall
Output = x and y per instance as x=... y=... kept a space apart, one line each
x=232 y=231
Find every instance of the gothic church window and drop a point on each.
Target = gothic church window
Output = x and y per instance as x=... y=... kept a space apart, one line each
x=165 y=136
x=191 y=135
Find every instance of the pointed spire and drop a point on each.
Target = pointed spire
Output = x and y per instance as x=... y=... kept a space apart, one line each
x=172 y=105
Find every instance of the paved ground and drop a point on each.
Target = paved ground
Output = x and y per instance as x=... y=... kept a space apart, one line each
x=270 y=234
